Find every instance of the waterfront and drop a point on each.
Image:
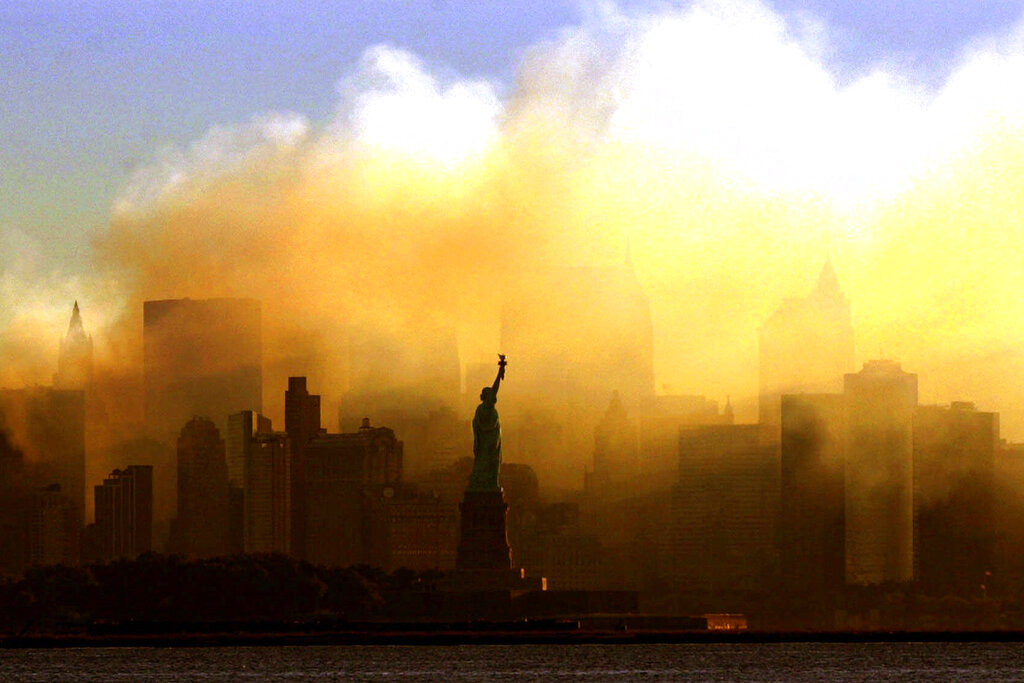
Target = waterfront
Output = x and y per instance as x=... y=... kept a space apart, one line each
x=934 y=661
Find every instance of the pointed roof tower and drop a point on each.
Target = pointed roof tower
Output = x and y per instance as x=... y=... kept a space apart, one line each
x=75 y=327
x=828 y=283
x=74 y=365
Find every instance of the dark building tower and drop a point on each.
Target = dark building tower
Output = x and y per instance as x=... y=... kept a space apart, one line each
x=302 y=423
x=880 y=402
x=723 y=509
x=806 y=346
x=812 y=509
x=124 y=514
x=202 y=524
x=54 y=528
x=954 y=489
x=74 y=364
x=201 y=357
x=615 y=455
x=267 y=495
x=342 y=473
x=48 y=425
x=259 y=476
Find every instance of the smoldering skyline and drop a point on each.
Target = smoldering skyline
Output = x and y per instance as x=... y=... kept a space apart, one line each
x=717 y=140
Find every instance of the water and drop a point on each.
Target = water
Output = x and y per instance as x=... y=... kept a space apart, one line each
x=691 y=662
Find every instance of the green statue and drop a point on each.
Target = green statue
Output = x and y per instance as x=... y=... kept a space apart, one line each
x=487 y=437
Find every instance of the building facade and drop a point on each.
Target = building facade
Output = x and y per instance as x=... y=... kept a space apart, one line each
x=343 y=472
x=723 y=509
x=301 y=423
x=124 y=514
x=879 y=495
x=201 y=529
x=812 y=544
x=954 y=498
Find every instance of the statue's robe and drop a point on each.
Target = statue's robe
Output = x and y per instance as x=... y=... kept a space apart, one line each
x=486 y=448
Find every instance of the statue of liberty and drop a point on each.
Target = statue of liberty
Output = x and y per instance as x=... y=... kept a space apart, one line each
x=487 y=437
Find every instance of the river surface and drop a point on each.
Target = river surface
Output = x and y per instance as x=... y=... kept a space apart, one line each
x=675 y=662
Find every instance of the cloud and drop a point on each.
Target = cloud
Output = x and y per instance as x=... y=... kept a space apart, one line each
x=713 y=136
x=393 y=104
x=181 y=175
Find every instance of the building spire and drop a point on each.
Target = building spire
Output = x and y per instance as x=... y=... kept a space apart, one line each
x=75 y=326
x=828 y=283
x=74 y=365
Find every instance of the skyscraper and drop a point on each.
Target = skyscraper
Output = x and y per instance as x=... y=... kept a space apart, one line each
x=267 y=495
x=124 y=513
x=201 y=357
x=806 y=346
x=302 y=423
x=258 y=461
x=812 y=505
x=74 y=364
x=201 y=529
x=342 y=471
x=723 y=509
x=615 y=455
x=954 y=491
x=54 y=528
x=879 y=493
x=238 y=437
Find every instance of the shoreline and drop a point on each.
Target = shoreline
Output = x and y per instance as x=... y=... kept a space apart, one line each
x=495 y=637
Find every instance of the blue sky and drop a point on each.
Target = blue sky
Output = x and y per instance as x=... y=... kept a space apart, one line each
x=89 y=90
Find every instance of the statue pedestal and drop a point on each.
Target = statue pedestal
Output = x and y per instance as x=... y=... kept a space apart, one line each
x=483 y=545
x=484 y=560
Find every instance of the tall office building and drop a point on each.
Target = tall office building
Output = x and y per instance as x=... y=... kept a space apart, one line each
x=267 y=495
x=723 y=509
x=241 y=431
x=258 y=472
x=74 y=364
x=812 y=505
x=879 y=497
x=259 y=462
x=124 y=514
x=48 y=425
x=343 y=472
x=302 y=423
x=201 y=357
x=615 y=456
x=806 y=346
x=954 y=497
x=201 y=529
x=54 y=528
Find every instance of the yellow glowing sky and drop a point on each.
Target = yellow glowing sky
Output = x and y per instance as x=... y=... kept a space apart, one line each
x=713 y=139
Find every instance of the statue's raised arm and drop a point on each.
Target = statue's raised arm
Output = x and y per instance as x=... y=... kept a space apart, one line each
x=501 y=373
